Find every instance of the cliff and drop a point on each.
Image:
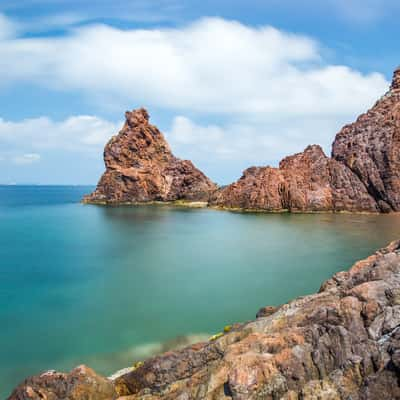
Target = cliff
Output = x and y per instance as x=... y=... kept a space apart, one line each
x=370 y=147
x=362 y=175
x=341 y=343
x=140 y=167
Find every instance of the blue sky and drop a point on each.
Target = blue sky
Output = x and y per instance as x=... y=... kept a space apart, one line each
x=230 y=83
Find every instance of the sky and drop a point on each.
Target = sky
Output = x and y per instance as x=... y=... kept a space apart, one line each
x=231 y=83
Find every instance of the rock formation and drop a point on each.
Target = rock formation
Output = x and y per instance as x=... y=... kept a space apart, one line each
x=341 y=343
x=308 y=181
x=370 y=147
x=82 y=383
x=362 y=175
x=140 y=167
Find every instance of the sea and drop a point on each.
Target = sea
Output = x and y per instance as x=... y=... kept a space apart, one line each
x=105 y=286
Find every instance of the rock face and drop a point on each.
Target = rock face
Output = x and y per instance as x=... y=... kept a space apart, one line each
x=370 y=147
x=339 y=344
x=362 y=175
x=140 y=167
x=308 y=181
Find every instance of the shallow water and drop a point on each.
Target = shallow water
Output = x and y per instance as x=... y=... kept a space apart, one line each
x=82 y=283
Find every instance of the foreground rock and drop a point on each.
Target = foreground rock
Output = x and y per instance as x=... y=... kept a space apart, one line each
x=140 y=167
x=362 y=175
x=341 y=343
x=82 y=383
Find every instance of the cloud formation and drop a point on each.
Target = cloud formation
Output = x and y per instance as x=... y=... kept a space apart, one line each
x=210 y=66
x=267 y=92
x=229 y=148
x=76 y=133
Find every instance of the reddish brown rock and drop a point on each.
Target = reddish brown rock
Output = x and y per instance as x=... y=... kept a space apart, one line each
x=370 y=147
x=140 y=167
x=362 y=175
x=308 y=181
x=82 y=383
x=341 y=343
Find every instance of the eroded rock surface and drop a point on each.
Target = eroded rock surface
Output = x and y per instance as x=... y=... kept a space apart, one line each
x=307 y=181
x=370 y=147
x=362 y=175
x=82 y=383
x=341 y=343
x=140 y=167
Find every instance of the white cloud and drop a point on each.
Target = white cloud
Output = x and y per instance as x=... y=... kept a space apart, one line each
x=210 y=66
x=76 y=133
x=269 y=93
x=252 y=142
x=25 y=159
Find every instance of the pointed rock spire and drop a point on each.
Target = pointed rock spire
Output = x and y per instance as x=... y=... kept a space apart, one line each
x=396 y=79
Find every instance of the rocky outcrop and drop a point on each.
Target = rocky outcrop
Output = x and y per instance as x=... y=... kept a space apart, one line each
x=82 y=383
x=308 y=181
x=370 y=147
x=140 y=167
x=362 y=175
x=341 y=343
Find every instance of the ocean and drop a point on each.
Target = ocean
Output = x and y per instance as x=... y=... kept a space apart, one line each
x=98 y=285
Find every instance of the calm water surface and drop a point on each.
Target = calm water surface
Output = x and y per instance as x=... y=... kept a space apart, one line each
x=80 y=283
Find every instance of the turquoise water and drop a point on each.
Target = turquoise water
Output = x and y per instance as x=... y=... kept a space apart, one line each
x=80 y=282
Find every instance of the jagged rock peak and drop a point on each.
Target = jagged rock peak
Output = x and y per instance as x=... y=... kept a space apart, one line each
x=396 y=79
x=137 y=117
x=140 y=167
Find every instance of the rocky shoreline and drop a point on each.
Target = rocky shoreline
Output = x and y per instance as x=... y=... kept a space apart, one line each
x=362 y=175
x=340 y=343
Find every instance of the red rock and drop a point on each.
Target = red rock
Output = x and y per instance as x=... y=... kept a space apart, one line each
x=308 y=181
x=140 y=167
x=370 y=147
x=362 y=175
